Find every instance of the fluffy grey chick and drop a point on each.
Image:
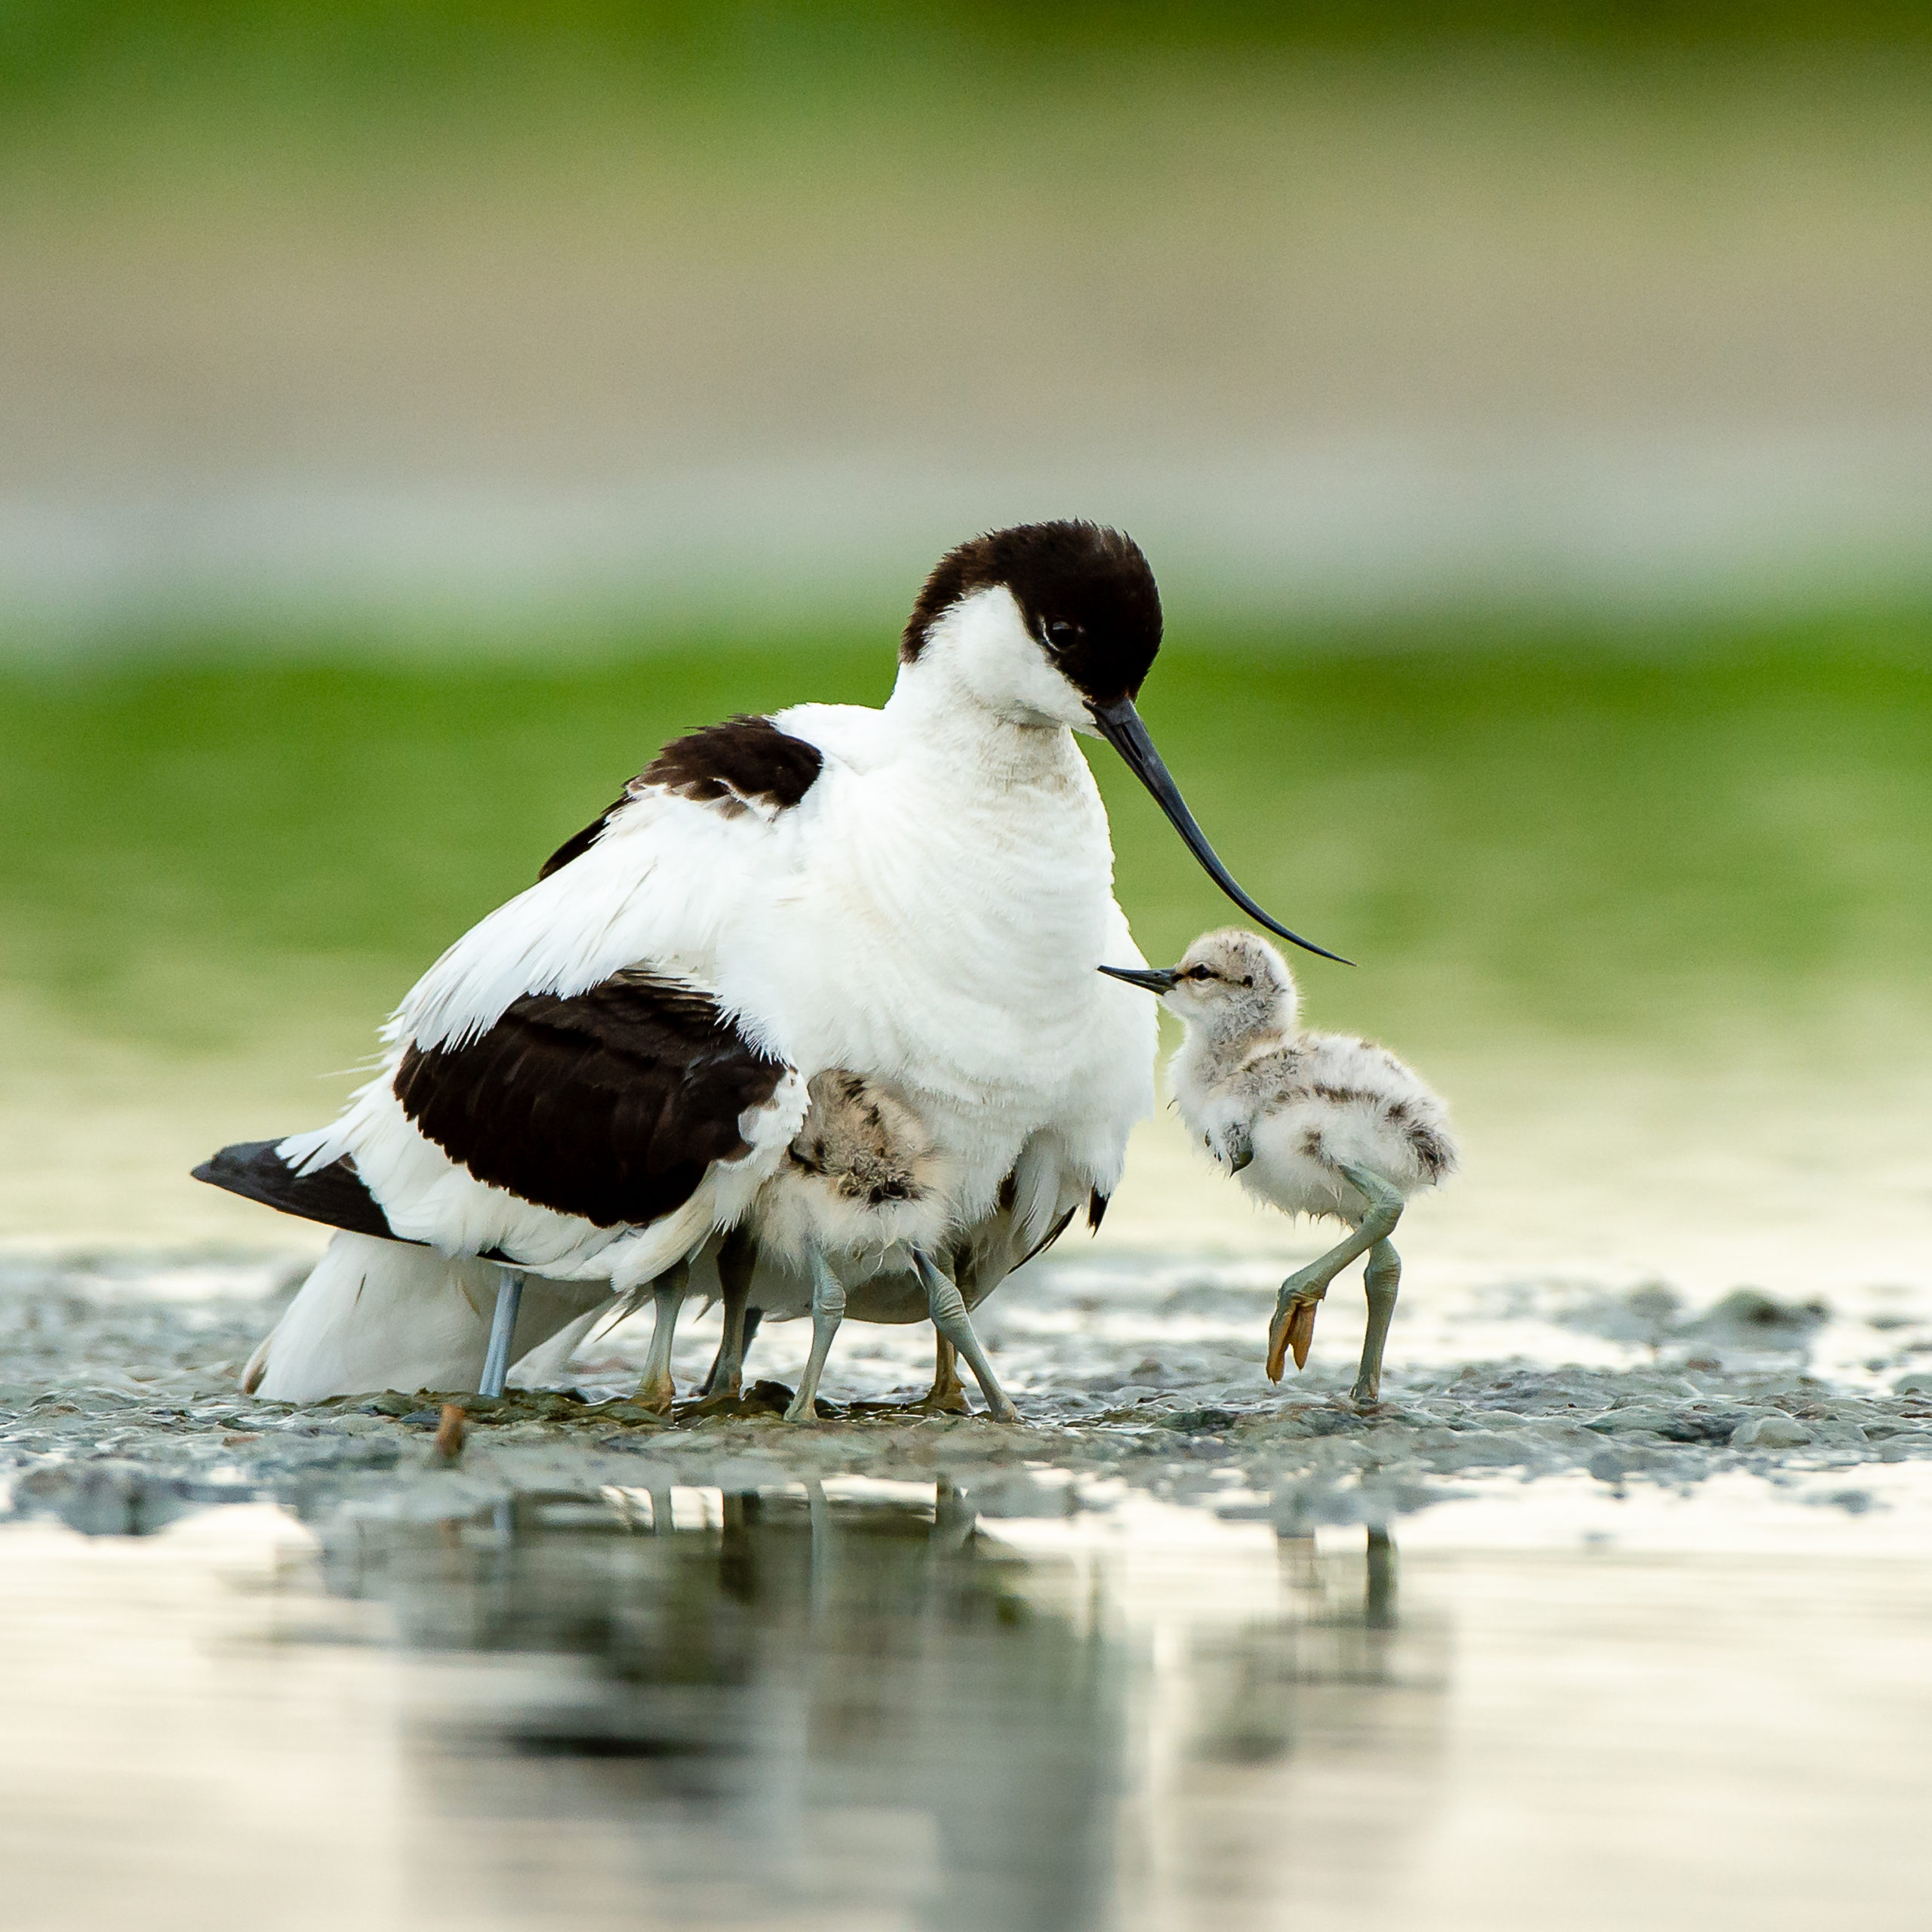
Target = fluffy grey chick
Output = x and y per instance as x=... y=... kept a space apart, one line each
x=865 y=1187
x=1321 y=1124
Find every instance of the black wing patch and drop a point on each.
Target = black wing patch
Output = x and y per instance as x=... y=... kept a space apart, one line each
x=743 y=761
x=333 y=1195
x=609 y=1104
x=1096 y=1209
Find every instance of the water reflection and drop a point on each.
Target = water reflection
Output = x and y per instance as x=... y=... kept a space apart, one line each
x=835 y=1709
x=777 y=1707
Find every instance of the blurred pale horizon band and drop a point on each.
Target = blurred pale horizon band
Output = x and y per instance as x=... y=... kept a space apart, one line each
x=1609 y=533
x=1340 y=335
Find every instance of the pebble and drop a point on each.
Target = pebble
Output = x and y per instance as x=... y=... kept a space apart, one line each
x=1771 y=1432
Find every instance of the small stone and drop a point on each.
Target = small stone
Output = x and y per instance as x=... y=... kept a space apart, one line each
x=1194 y=1421
x=635 y=1414
x=1636 y=1419
x=1918 y=1382
x=1771 y=1432
x=389 y=1403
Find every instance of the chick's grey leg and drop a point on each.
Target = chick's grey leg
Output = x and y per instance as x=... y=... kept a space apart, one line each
x=1382 y=1279
x=948 y=1307
x=655 y=1389
x=1294 y=1325
x=828 y=1311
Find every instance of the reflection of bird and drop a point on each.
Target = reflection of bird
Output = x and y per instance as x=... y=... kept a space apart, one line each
x=761 y=1698
x=1319 y=1123
x=596 y=1082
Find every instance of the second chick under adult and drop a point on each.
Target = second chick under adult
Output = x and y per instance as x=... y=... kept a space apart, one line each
x=1318 y=1123
x=864 y=1190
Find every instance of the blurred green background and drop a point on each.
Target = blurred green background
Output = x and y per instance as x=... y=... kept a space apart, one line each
x=411 y=414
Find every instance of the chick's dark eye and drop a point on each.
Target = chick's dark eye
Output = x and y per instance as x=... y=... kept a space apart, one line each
x=1202 y=972
x=1060 y=635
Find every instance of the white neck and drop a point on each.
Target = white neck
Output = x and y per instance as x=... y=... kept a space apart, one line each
x=982 y=677
x=932 y=706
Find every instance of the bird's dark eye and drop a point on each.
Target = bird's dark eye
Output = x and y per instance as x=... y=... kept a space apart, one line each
x=1202 y=972
x=1060 y=636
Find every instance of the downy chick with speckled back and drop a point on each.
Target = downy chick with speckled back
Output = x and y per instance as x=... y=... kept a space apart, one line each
x=863 y=1188
x=1318 y=1124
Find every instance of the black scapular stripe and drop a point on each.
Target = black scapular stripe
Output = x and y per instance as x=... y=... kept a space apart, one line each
x=333 y=1195
x=580 y=842
x=744 y=759
x=609 y=1104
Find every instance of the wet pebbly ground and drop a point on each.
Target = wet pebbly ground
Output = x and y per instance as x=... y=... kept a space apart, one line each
x=1649 y=1635
x=119 y=1411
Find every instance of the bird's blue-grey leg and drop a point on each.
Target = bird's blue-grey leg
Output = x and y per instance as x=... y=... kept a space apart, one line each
x=737 y=1260
x=948 y=1308
x=502 y=1327
x=1294 y=1325
x=725 y=1363
x=655 y=1389
x=1382 y=1279
x=828 y=1311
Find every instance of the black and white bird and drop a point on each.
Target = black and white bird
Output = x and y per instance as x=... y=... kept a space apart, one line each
x=592 y=1085
x=1319 y=1123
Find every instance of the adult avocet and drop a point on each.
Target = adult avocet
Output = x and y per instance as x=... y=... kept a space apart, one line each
x=1320 y=1124
x=596 y=1080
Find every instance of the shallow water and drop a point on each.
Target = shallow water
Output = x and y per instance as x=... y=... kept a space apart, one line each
x=1559 y=1632
x=853 y=1705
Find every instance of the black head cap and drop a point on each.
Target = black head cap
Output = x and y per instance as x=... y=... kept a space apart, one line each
x=1085 y=591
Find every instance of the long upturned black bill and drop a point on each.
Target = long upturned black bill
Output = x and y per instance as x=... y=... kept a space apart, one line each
x=1155 y=978
x=1120 y=725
